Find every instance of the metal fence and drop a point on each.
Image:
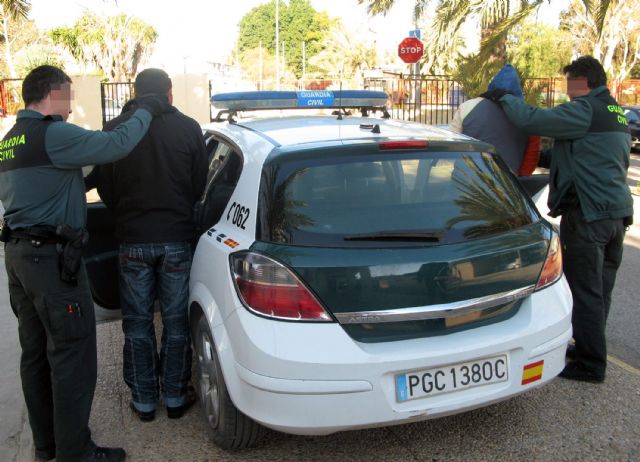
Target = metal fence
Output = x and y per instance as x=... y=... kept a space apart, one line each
x=427 y=99
x=10 y=96
x=114 y=96
x=628 y=92
x=433 y=99
x=430 y=99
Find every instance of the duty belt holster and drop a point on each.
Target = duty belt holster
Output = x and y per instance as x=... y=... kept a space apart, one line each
x=5 y=232
x=72 y=241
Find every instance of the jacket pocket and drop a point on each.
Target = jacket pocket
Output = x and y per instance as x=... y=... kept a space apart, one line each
x=71 y=315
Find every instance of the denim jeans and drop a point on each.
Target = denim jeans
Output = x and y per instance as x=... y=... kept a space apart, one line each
x=149 y=272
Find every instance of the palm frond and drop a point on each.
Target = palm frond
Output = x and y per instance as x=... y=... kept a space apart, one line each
x=377 y=6
x=492 y=11
x=16 y=8
x=501 y=29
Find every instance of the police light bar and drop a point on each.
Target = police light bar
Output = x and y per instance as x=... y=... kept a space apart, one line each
x=306 y=99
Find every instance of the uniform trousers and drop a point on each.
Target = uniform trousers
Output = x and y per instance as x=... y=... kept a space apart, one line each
x=592 y=253
x=58 y=366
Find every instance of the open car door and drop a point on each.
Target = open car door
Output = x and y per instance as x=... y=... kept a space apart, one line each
x=101 y=259
x=537 y=186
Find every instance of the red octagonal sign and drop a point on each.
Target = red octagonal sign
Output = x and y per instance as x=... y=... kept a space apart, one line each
x=410 y=50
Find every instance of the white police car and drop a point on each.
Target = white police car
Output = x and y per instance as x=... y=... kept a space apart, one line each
x=358 y=271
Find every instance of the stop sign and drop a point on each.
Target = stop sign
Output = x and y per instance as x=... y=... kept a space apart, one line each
x=410 y=50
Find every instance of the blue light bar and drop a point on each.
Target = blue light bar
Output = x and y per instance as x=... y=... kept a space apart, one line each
x=305 y=99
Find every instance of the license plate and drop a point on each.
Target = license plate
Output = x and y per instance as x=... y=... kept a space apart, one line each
x=430 y=382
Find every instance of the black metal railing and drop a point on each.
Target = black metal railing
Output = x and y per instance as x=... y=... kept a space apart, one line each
x=114 y=96
x=433 y=99
x=10 y=96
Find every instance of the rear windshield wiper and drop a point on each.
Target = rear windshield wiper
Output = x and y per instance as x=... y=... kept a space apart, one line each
x=417 y=235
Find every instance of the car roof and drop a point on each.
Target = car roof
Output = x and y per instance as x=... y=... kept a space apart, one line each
x=296 y=130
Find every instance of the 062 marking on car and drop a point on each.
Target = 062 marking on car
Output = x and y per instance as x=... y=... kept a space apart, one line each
x=220 y=236
x=240 y=214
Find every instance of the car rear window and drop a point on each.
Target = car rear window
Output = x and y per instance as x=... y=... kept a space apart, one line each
x=389 y=199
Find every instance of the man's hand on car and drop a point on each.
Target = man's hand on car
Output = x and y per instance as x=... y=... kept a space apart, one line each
x=155 y=104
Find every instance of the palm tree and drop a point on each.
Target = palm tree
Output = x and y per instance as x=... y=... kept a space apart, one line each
x=14 y=9
x=497 y=18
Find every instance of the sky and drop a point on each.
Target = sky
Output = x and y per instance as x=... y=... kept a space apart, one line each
x=198 y=31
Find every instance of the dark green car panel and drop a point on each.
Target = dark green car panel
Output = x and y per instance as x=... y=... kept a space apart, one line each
x=370 y=279
x=390 y=232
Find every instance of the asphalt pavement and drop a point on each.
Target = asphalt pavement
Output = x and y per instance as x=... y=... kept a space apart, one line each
x=563 y=421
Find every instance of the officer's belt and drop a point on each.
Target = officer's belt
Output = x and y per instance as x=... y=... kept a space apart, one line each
x=44 y=234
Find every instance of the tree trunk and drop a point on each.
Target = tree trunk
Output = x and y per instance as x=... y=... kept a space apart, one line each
x=7 y=48
x=499 y=52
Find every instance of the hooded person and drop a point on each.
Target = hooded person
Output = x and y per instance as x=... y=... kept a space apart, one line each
x=480 y=118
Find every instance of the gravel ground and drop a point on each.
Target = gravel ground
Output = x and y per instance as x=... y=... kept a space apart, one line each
x=563 y=421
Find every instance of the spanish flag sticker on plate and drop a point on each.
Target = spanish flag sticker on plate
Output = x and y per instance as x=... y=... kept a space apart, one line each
x=532 y=372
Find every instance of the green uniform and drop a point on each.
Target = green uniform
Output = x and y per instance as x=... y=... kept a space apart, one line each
x=588 y=187
x=590 y=153
x=40 y=166
x=41 y=186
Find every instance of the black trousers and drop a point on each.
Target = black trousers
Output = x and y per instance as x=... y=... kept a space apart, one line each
x=592 y=253
x=56 y=326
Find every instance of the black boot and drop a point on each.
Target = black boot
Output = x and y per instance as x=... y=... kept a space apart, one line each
x=107 y=455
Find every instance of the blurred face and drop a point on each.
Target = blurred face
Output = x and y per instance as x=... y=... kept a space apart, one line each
x=61 y=96
x=577 y=86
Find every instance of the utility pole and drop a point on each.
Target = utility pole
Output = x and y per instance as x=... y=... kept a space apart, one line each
x=277 y=46
x=416 y=66
x=284 y=67
x=260 y=65
x=304 y=60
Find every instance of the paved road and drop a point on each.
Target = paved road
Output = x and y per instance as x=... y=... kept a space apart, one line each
x=623 y=329
x=564 y=421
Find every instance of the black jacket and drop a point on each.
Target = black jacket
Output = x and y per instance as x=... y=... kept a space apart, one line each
x=153 y=190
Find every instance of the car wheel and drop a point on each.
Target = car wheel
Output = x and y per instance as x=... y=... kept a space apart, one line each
x=230 y=428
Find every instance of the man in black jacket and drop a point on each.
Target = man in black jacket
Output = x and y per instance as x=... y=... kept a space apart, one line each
x=152 y=193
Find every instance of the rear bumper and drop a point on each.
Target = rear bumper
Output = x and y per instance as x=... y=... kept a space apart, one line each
x=314 y=379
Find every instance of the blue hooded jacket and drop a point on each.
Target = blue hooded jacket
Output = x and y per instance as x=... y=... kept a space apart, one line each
x=507 y=79
x=484 y=120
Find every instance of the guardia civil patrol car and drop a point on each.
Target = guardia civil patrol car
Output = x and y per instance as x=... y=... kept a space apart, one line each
x=356 y=271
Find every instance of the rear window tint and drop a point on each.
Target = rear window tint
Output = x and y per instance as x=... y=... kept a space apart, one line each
x=390 y=200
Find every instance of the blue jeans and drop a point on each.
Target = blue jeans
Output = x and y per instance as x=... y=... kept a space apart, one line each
x=147 y=272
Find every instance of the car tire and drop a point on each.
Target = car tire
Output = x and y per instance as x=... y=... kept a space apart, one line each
x=230 y=428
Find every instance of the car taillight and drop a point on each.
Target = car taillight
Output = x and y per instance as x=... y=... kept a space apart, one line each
x=271 y=289
x=552 y=268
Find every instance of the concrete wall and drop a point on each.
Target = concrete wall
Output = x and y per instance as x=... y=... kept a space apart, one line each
x=86 y=106
x=191 y=95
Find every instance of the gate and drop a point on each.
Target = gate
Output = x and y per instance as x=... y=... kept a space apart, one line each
x=10 y=96
x=628 y=93
x=114 y=96
x=433 y=99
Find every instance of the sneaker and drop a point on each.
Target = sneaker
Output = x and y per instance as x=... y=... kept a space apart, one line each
x=147 y=416
x=107 y=455
x=571 y=351
x=575 y=371
x=178 y=411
